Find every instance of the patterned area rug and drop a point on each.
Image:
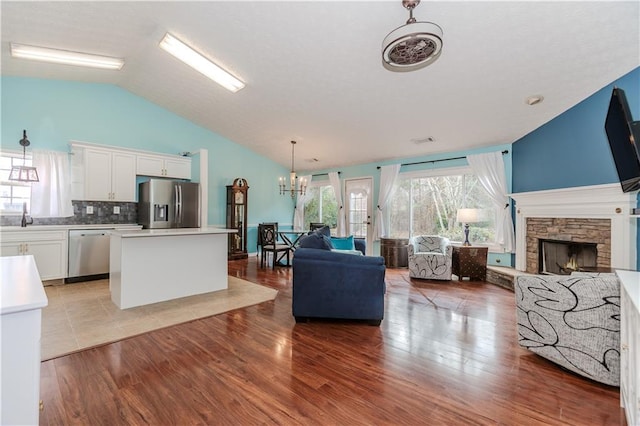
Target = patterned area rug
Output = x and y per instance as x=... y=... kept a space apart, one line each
x=81 y=315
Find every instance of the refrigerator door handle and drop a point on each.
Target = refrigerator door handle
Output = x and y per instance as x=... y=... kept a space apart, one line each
x=176 y=206
x=180 y=204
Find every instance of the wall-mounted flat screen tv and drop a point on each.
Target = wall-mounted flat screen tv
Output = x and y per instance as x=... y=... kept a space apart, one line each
x=624 y=136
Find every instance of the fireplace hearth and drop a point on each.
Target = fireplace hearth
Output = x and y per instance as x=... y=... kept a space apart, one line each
x=557 y=257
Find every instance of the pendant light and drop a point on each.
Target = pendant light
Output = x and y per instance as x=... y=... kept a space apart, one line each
x=24 y=173
x=292 y=179
x=413 y=45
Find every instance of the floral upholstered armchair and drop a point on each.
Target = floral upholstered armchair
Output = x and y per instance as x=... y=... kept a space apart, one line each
x=430 y=257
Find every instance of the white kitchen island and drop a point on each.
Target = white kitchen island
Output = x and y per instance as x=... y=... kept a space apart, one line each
x=155 y=265
x=21 y=302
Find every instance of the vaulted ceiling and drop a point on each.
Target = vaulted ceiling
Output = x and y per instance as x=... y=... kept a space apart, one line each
x=314 y=74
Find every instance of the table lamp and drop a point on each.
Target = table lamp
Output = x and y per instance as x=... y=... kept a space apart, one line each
x=467 y=216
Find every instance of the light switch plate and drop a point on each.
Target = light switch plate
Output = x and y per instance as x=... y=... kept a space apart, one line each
x=89 y=209
x=116 y=209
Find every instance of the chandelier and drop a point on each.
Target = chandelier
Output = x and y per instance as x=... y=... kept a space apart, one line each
x=292 y=179
x=24 y=173
x=413 y=45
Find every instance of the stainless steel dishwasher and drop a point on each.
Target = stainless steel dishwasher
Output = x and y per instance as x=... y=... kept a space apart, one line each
x=88 y=254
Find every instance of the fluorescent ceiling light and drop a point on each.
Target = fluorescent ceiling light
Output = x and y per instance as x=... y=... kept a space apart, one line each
x=65 y=57
x=200 y=63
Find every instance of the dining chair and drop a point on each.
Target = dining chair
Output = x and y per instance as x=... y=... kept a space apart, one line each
x=270 y=244
x=259 y=239
x=315 y=225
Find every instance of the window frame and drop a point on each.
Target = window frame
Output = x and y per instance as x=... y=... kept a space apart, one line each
x=19 y=155
x=439 y=172
x=320 y=185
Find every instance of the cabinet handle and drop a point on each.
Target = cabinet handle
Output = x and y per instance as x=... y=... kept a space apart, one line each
x=26 y=248
x=624 y=346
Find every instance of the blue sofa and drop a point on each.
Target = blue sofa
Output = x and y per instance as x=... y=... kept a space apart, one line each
x=330 y=284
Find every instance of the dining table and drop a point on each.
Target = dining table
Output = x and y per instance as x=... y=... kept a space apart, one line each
x=291 y=237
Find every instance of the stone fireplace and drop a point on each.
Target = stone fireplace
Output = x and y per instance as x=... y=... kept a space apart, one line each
x=598 y=216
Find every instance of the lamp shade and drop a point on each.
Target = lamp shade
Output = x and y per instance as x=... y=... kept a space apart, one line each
x=469 y=215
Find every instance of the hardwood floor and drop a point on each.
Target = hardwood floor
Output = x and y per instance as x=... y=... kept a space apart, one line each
x=445 y=354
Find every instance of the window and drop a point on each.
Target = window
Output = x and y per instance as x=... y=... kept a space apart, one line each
x=322 y=206
x=12 y=193
x=426 y=203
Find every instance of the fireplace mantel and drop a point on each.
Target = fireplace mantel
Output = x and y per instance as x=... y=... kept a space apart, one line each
x=593 y=202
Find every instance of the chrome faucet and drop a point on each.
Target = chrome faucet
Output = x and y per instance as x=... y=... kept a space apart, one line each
x=25 y=221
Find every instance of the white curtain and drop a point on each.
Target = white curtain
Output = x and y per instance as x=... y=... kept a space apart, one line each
x=298 y=215
x=489 y=169
x=51 y=196
x=388 y=177
x=334 y=178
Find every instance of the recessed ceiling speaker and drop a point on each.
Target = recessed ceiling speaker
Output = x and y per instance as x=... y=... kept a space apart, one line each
x=413 y=45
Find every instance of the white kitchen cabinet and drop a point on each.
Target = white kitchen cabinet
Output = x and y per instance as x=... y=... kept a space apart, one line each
x=22 y=299
x=49 y=248
x=163 y=166
x=630 y=344
x=109 y=175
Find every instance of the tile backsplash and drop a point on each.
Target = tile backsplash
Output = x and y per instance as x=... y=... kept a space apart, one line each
x=103 y=212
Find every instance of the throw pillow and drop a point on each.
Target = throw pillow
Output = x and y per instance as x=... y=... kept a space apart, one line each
x=345 y=243
x=315 y=241
x=325 y=230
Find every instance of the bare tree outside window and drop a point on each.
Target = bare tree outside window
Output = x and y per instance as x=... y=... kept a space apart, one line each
x=428 y=206
x=322 y=207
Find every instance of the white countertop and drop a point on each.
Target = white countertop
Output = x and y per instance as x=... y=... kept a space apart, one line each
x=64 y=227
x=172 y=231
x=22 y=288
x=631 y=282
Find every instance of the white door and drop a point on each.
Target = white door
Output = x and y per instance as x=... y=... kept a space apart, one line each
x=359 y=209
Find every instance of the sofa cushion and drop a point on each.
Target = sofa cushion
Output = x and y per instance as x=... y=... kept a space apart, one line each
x=343 y=243
x=315 y=240
x=356 y=252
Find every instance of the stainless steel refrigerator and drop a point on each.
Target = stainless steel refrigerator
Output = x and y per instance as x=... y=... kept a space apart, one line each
x=169 y=204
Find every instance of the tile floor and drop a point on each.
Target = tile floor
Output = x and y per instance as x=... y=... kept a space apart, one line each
x=82 y=315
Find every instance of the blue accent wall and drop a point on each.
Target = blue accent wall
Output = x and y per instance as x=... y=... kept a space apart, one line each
x=572 y=149
x=55 y=112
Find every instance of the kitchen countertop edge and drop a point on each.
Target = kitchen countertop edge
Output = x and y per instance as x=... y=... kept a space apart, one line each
x=142 y=233
x=66 y=227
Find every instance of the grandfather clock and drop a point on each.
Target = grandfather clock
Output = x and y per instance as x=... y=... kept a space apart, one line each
x=237 y=218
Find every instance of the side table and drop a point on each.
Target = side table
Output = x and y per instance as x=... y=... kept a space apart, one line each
x=470 y=261
x=394 y=251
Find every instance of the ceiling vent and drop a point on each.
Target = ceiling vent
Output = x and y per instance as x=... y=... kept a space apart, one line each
x=413 y=45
